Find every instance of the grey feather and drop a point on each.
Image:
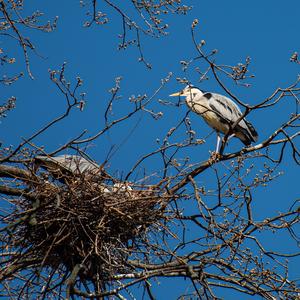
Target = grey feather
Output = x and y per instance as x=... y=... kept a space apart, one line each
x=227 y=110
x=71 y=163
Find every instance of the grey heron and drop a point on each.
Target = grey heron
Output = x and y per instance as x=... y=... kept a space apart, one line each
x=74 y=164
x=78 y=165
x=220 y=113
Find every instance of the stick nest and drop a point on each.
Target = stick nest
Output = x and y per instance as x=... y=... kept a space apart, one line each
x=85 y=224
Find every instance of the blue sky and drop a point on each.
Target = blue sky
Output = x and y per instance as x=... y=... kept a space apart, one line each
x=263 y=30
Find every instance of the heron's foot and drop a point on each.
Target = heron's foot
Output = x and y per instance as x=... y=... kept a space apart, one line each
x=214 y=156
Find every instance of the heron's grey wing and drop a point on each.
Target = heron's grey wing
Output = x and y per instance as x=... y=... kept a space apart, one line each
x=77 y=164
x=236 y=114
x=224 y=107
x=72 y=163
x=54 y=163
x=229 y=113
x=83 y=165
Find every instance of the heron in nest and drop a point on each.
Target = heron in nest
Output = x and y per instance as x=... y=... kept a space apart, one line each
x=220 y=113
x=73 y=164
x=78 y=165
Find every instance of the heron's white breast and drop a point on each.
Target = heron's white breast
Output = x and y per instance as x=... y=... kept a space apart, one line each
x=213 y=121
x=201 y=107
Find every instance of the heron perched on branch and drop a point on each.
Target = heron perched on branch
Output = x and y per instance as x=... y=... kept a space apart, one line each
x=220 y=113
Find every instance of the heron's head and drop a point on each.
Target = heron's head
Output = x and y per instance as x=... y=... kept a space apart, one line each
x=189 y=91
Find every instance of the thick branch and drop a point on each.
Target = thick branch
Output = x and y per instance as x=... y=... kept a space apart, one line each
x=11 y=191
x=13 y=172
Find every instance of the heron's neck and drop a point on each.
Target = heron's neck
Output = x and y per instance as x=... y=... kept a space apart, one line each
x=200 y=93
x=190 y=99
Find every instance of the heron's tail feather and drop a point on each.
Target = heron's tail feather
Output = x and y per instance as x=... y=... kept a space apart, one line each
x=246 y=135
x=252 y=131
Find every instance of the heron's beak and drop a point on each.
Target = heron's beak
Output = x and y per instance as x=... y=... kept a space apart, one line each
x=176 y=94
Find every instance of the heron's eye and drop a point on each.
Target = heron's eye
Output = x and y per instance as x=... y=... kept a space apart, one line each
x=194 y=94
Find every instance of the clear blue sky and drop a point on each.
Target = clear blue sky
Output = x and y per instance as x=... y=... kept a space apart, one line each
x=267 y=31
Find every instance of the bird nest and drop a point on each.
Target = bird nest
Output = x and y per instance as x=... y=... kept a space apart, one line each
x=79 y=223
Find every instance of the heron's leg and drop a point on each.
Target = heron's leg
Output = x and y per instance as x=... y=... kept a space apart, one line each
x=221 y=149
x=218 y=142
